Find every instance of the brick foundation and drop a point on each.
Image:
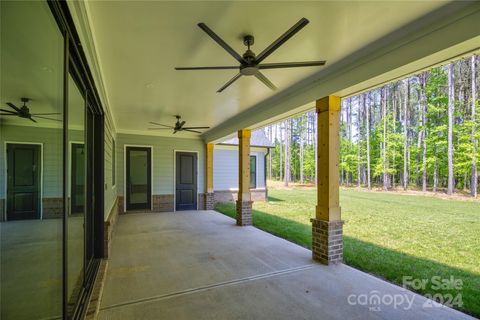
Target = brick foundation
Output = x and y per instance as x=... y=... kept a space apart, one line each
x=244 y=213
x=163 y=202
x=209 y=201
x=109 y=226
x=52 y=208
x=327 y=241
x=201 y=201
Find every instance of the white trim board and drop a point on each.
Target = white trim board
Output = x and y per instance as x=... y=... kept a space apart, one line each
x=175 y=175
x=6 y=177
x=125 y=173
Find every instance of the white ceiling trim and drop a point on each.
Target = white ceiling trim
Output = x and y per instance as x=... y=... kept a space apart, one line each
x=450 y=26
x=80 y=14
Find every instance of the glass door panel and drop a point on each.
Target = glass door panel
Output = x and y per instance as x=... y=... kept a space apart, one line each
x=138 y=178
x=76 y=218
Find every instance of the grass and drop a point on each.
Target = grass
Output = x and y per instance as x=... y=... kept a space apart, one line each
x=389 y=235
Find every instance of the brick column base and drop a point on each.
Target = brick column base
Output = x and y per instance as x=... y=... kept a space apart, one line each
x=209 y=201
x=327 y=241
x=244 y=213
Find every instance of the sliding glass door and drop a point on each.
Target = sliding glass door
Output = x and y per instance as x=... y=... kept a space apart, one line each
x=51 y=165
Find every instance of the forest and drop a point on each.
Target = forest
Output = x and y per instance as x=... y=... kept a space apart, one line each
x=416 y=133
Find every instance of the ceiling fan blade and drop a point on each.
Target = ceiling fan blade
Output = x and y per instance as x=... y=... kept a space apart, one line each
x=11 y=105
x=163 y=125
x=260 y=76
x=9 y=111
x=45 y=114
x=220 y=41
x=196 y=128
x=291 y=64
x=159 y=128
x=208 y=68
x=182 y=124
x=43 y=118
x=189 y=130
x=283 y=38
x=226 y=85
x=32 y=119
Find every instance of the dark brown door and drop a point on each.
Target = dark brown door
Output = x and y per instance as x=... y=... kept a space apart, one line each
x=186 y=181
x=139 y=184
x=23 y=187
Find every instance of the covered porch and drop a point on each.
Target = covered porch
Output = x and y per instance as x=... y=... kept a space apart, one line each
x=199 y=265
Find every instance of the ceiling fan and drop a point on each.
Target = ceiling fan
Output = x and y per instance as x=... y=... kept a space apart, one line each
x=250 y=64
x=24 y=112
x=179 y=126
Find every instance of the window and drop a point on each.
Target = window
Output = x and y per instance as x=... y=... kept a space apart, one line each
x=253 y=172
x=113 y=162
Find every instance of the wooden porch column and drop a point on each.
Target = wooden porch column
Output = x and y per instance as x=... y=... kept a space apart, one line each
x=209 y=194
x=327 y=226
x=244 y=201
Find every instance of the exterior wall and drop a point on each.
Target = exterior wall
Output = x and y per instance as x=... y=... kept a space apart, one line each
x=52 y=162
x=231 y=196
x=110 y=193
x=225 y=167
x=163 y=160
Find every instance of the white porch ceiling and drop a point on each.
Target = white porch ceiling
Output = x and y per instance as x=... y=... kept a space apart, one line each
x=138 y=44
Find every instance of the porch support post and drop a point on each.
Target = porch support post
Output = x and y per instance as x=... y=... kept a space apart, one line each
x=209 y=193
x=244 y=201
x=327 y=226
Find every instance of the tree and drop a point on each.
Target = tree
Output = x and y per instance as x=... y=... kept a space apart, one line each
x=474 y=175
x=451 y=97
x=367 y=118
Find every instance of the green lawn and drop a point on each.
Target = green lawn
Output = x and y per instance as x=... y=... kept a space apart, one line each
x=389 y=235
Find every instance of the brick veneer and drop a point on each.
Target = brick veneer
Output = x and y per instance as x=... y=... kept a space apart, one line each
x=244 y=213
x=163 y=202
x=327 y=241
x=52 y=208
x=109 y=226
x=160 y=203
x=201 y=201
x=209 y=201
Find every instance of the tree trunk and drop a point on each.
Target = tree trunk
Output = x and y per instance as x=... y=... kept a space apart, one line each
x=281 y=153
x=474 y=177
x=360 y=106
x=435 y=177
x=301 y=148
x=286 y=174
x=367 y=117
x=451 y=97
x=423 y=103
x=406 y=156
x=394 y=151
x=384 y=146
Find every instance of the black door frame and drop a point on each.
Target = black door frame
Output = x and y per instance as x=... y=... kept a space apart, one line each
x=73 y=146
x=75 y=59
x=148 y=205
x=40 y=177
x=175 y=152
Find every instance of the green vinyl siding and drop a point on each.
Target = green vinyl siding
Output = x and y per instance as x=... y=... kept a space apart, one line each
x=162 y=159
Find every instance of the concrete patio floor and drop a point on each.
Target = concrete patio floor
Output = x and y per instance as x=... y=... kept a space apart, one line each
x=199 y=265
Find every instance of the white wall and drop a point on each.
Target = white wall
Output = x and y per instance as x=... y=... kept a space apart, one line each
x=225 y=167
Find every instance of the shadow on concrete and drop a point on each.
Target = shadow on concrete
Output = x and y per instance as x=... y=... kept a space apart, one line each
x=385 y=263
